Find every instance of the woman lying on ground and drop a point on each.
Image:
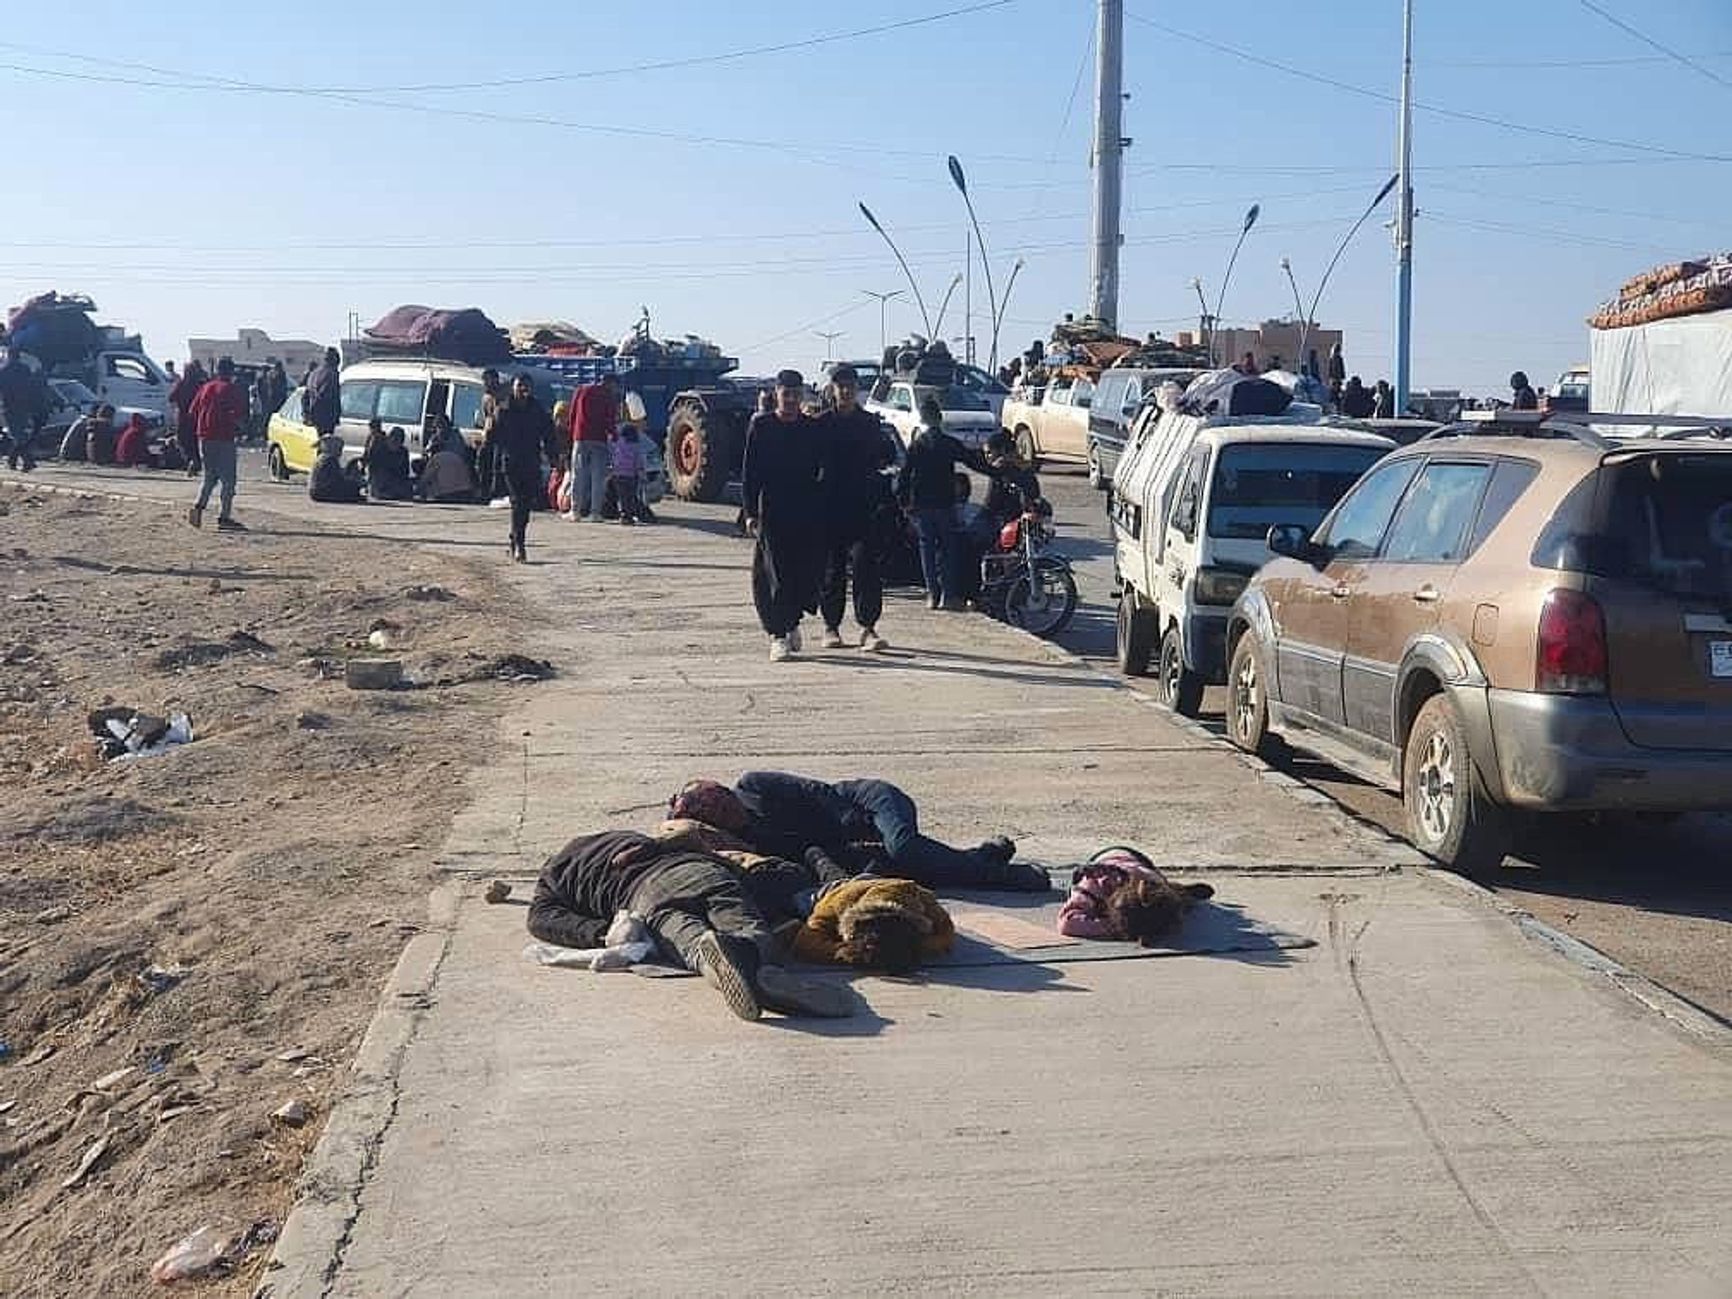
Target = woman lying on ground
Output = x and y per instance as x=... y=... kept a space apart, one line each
x=1120 y=894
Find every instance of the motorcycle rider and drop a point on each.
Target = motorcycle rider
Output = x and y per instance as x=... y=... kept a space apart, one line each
x=1014 y=488
x=926 y=486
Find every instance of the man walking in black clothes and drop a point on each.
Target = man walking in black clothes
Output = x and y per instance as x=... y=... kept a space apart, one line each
x=695 y=906
x=854 y=453
x=784 y=510
x=324 y=396
x=521 y=434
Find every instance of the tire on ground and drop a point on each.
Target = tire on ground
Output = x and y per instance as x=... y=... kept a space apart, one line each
x=700 y=455
x=1177 y=686
x=1450 y=816
x=1248 y=700
x=1135 y=635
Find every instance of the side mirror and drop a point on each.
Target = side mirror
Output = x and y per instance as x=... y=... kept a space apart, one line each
x=1292 y=541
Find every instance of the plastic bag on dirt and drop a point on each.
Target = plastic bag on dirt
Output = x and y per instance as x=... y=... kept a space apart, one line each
x=193 y=1256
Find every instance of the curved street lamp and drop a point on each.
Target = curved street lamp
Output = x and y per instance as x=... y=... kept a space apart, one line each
x=961 y=182
x=938 y=325
x=1221 y=298
x=1382 y=194
x=902 y=262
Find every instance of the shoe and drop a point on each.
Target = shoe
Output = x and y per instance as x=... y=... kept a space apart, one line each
x=779 y=651
x=792 y=995
x=932 y=602
x=953 y=606
x=725 y=974
x=999 y=847
x=872 y=643
x=520 y=556
x=570 y=517
x=195 y=516
x=230 y=525
x=628 y=523
x=794 y=641
x=1024 y=878
x=832 y=638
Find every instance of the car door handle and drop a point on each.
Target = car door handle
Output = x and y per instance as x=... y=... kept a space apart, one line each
x=1427 y=594
x=1342 y=591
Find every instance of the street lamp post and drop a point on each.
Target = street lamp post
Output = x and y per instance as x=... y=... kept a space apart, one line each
x=961 y=183
x=1205 y=322
x=829 y=336
x=944 y=306
x=925 y=317
x=1221 y=297
x=883 y=301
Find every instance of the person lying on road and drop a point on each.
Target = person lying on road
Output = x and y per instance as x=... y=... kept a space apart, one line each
x=1120 y=894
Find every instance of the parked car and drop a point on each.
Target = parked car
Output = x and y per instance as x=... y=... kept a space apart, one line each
x=291 y=442
x=1517 y=613
x=1191 y=507
x=967 y=417
x=1050 y=423
x=1118 y=396
x=1571 y=390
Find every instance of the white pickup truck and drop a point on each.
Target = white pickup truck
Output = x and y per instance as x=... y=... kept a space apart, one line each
x=1051 y=423
x=967 y=415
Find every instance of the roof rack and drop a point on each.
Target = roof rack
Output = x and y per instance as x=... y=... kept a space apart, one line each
x=1505 y=422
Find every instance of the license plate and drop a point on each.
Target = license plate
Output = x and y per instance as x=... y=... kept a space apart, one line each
x=1720 y=658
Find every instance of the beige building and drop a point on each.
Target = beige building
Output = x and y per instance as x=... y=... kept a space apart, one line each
x=1275 y=343
x=255 y=347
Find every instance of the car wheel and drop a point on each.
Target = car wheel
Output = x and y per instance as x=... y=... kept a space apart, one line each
x=1097 y=479
x=1135 y=634
x=1449 y=814
x=1025 y=449
x=1177 y=686
x=1248 y=701
x=274 y=462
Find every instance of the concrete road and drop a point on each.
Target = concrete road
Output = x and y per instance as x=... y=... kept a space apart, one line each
x=1659 y=899
x=1428 y=1100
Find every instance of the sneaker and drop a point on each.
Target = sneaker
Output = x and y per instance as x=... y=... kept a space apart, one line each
x=628 y=523
x=794 y=641
x=832 y=638
x=999 y=847
x=793 y=995
x=195 y=516
x=230 y=525
x=932 y=601
x=779 y=651
x=520 y=556
x=723 y=973
x=571 y=516
x=872 y=642
x=1024 y=878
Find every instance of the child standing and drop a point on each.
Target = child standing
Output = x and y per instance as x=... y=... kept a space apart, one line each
x=626 y=463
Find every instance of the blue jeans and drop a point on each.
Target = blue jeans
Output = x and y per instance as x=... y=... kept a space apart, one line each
x=220 y=469
x=591 y=464
x=937 y=552
x=913 y=855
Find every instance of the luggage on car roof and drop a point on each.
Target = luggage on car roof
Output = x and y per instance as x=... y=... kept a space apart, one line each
x=1227 y=392
x=465 y=336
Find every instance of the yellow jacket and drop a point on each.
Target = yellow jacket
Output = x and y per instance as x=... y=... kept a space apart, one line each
x=832 y=922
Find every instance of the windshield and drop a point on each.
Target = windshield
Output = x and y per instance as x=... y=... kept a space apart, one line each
x=956 y=398
x=1668 y=525
x=1258 y=486
x=71 y=390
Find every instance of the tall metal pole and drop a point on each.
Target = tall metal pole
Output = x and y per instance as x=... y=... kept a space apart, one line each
x=1404 y=223
x=883 y=302
x=1108 y=161
x=968 y=297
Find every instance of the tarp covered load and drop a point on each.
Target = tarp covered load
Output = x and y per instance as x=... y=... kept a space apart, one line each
x=465 y=336
x=1668 y=292
x=56 y=329
x=1681 y=366
x=555 y=338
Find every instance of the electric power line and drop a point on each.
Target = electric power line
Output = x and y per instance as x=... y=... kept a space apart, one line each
x=1651 y=43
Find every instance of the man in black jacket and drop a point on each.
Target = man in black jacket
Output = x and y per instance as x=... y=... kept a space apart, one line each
x=323 y=402
x=520 y=435
x=927 y=488
x=854 y=455
x=780 y=484
x=783 y=815
x=695 y=906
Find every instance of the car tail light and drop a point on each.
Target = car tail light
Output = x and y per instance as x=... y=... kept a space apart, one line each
x=1219 y=585
x=1571 y=658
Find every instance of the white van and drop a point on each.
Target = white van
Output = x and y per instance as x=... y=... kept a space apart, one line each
x=1192 y=503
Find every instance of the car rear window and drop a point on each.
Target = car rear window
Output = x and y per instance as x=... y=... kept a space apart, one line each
x=1258 y=486
x=1663 y=521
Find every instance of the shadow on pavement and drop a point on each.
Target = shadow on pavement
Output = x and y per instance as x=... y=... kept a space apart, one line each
x=908 y=661
x=1678 y=869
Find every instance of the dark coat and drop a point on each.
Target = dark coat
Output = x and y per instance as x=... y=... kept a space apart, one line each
x=522 y=435
x=324 y=399
x=928 y=477
x=790 y=814
x=854 y=452
x=781 y=476
x=580 y=888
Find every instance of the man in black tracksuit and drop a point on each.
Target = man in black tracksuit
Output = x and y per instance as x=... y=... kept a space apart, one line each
x=854 y=453
x=780 y=484
x=692 y=902
x=783 y=815
x=520 y=435
x=926 y=486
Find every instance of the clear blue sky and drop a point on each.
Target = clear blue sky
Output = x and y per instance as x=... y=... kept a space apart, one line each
x=726 y=203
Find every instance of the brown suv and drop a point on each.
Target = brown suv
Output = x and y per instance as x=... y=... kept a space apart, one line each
x=1514 y=614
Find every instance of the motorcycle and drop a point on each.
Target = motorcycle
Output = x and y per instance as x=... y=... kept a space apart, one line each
x=1022 y=582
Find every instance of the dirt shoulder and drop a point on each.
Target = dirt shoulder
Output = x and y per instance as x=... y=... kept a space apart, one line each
x=191 y=941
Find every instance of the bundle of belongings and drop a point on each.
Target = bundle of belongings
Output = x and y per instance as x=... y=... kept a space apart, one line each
x=918 y=361
x=554 y=338
x=465 y=336
x=1227 y=392
x=56 y=329
x=1666 y=292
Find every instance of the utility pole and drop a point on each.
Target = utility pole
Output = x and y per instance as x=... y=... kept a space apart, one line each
x=968 y=298
x=883 y=301
x=829 y=338
x=1404 y=223
x=1108 y=161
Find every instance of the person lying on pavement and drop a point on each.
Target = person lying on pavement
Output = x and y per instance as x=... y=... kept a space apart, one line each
x=782 y=815
x=1120 y=894
x=692 y=903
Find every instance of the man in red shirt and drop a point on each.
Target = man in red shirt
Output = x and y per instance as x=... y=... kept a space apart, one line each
x=218 y=412
x=594 y=417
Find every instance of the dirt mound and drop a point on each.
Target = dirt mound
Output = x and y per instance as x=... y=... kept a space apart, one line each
x=84 y=819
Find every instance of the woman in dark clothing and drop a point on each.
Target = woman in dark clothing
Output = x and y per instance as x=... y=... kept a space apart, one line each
x=386 y=459
x=521 y=433
x=329 y=482
x=692 y=902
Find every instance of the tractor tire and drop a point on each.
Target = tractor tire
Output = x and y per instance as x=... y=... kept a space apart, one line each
x=701 y=452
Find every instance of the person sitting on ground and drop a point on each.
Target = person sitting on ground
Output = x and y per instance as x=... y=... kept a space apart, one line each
x=75 y=446
x=387 y=460
x=1120 y=894
x=446 y=477
x=782 y=815
x=132 y=449
x=100 y=438
x=695 y=906
x=877 y=924
x=331 y=483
